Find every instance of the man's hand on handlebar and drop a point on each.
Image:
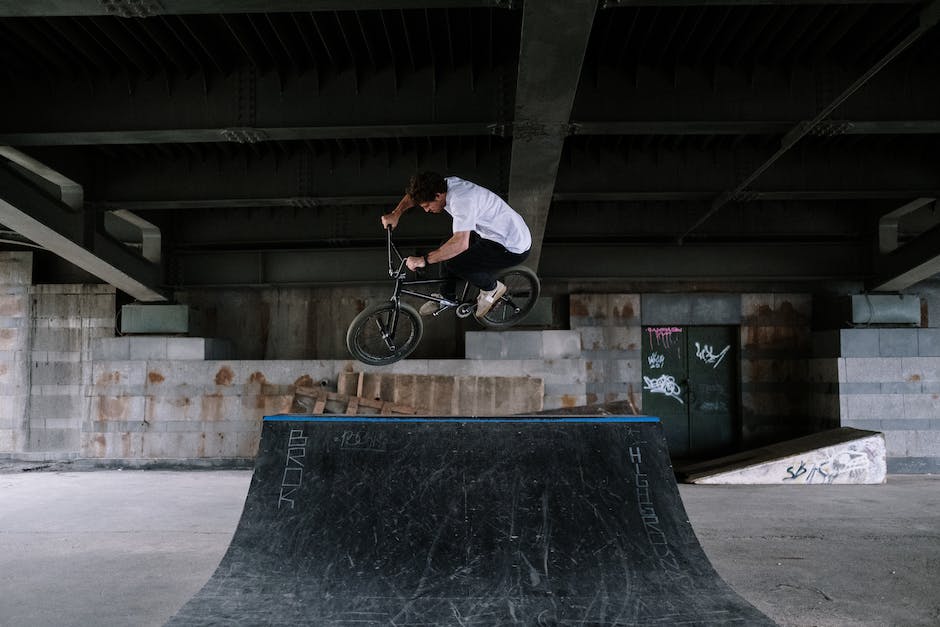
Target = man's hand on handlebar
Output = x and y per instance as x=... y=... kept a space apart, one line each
x=390 y=220
x=414 y=263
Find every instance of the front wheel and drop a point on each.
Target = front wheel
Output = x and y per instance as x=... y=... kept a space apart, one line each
x=384 y=333
x=522 y=290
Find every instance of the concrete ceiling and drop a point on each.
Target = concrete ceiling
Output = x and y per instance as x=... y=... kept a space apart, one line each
x=667 y=141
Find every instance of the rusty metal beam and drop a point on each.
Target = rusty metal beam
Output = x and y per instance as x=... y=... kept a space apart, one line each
x=150 y=8
x=928 y=18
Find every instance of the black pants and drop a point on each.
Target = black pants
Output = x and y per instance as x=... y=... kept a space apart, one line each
x=477 y=264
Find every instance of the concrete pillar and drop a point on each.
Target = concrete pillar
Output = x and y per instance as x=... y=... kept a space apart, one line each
x=16 y=275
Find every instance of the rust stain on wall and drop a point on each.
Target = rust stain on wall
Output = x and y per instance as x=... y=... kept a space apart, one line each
x=625 y=313
x=224 y=376
x=211 y=408
x=101 y=445
x=155 y=377
x=108 y=378
x=568 y=401
x=111 y=407
x=257 y=377
x=914 y=377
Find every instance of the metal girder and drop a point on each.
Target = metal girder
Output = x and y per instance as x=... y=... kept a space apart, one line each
x=73 y=235
x=734 y=127
x=150 y=8
x=915 y=261
x=615 y=4
x=929 y=16
x=760 y=262
x=553 y=43
x=243 y=135
x=769 y=195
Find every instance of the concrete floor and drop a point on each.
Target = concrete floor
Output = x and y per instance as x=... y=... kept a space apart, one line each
x=128 y=548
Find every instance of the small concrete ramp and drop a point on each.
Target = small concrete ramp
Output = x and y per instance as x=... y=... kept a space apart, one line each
x=836 y=456
x=422 y=521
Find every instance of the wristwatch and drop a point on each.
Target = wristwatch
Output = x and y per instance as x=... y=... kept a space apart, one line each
x=426 y=262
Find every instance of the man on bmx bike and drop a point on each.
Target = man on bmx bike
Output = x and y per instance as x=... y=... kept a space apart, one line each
x=488 y=236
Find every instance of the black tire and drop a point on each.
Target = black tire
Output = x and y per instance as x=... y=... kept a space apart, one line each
x=366 y=341
x=522 y=291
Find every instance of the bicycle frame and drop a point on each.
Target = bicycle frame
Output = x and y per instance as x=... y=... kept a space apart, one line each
x=402 y=285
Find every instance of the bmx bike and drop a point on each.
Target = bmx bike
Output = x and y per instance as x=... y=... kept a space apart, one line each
x=389 y=331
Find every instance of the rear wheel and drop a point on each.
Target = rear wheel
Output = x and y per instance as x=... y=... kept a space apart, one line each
x=522 y=290
x=383 y=333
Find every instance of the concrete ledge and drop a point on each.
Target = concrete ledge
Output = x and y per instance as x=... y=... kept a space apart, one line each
x=838 y=456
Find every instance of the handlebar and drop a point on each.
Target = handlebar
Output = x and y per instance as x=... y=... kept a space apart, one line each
x=395 y=274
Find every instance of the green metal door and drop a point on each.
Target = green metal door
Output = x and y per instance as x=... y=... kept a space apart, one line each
x=690 y=382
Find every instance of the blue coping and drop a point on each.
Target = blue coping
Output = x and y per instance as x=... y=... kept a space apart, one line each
x=579 y=419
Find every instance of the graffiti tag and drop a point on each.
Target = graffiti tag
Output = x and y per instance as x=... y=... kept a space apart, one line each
x=665 y=384
x=656 y=360
x=705 y=353
x=663 y=335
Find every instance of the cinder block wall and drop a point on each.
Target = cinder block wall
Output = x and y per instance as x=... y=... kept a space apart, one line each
x=886 y=380
x=211 y=410
x=66 y=321
x=16 y=276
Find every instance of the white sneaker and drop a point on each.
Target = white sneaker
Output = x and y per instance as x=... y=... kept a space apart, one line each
x=431 y=307
x=487 y=299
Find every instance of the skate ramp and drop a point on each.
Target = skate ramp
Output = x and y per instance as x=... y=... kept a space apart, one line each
x=418 y=521
x=836 y=456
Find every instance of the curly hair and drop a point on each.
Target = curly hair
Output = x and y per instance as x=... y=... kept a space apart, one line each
x=424 y=186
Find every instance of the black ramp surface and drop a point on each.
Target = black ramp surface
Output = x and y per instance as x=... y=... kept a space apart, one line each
x=541 y=521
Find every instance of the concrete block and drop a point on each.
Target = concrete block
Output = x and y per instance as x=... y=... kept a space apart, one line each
x=588 y=310
x=41 y=407
x=776 y=309
x=112 y=377
x=12 y=339
x=13 y=306
x=16 y=268
x=928 y=342
x=874 y=406
x=561 y=345
x=921 y=406
x=155 y=318
x=666 y=309
x=147 y=347
x=51 y=373
x=623 y=310
x=111 y=349
x=124 y=408
x=897 y=342
x=873 y=369
x=922 y=369
x=715 y=309
x=6 y=441
x=860 y=343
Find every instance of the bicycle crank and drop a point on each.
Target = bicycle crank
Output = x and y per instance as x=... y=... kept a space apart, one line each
x=465 y=310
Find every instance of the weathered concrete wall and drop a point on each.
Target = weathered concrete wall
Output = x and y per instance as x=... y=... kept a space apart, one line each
x=886 y=380
x=15 y=279
x=776 y=344
x=212 y=410
x=66 y=321
x=307 y=323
